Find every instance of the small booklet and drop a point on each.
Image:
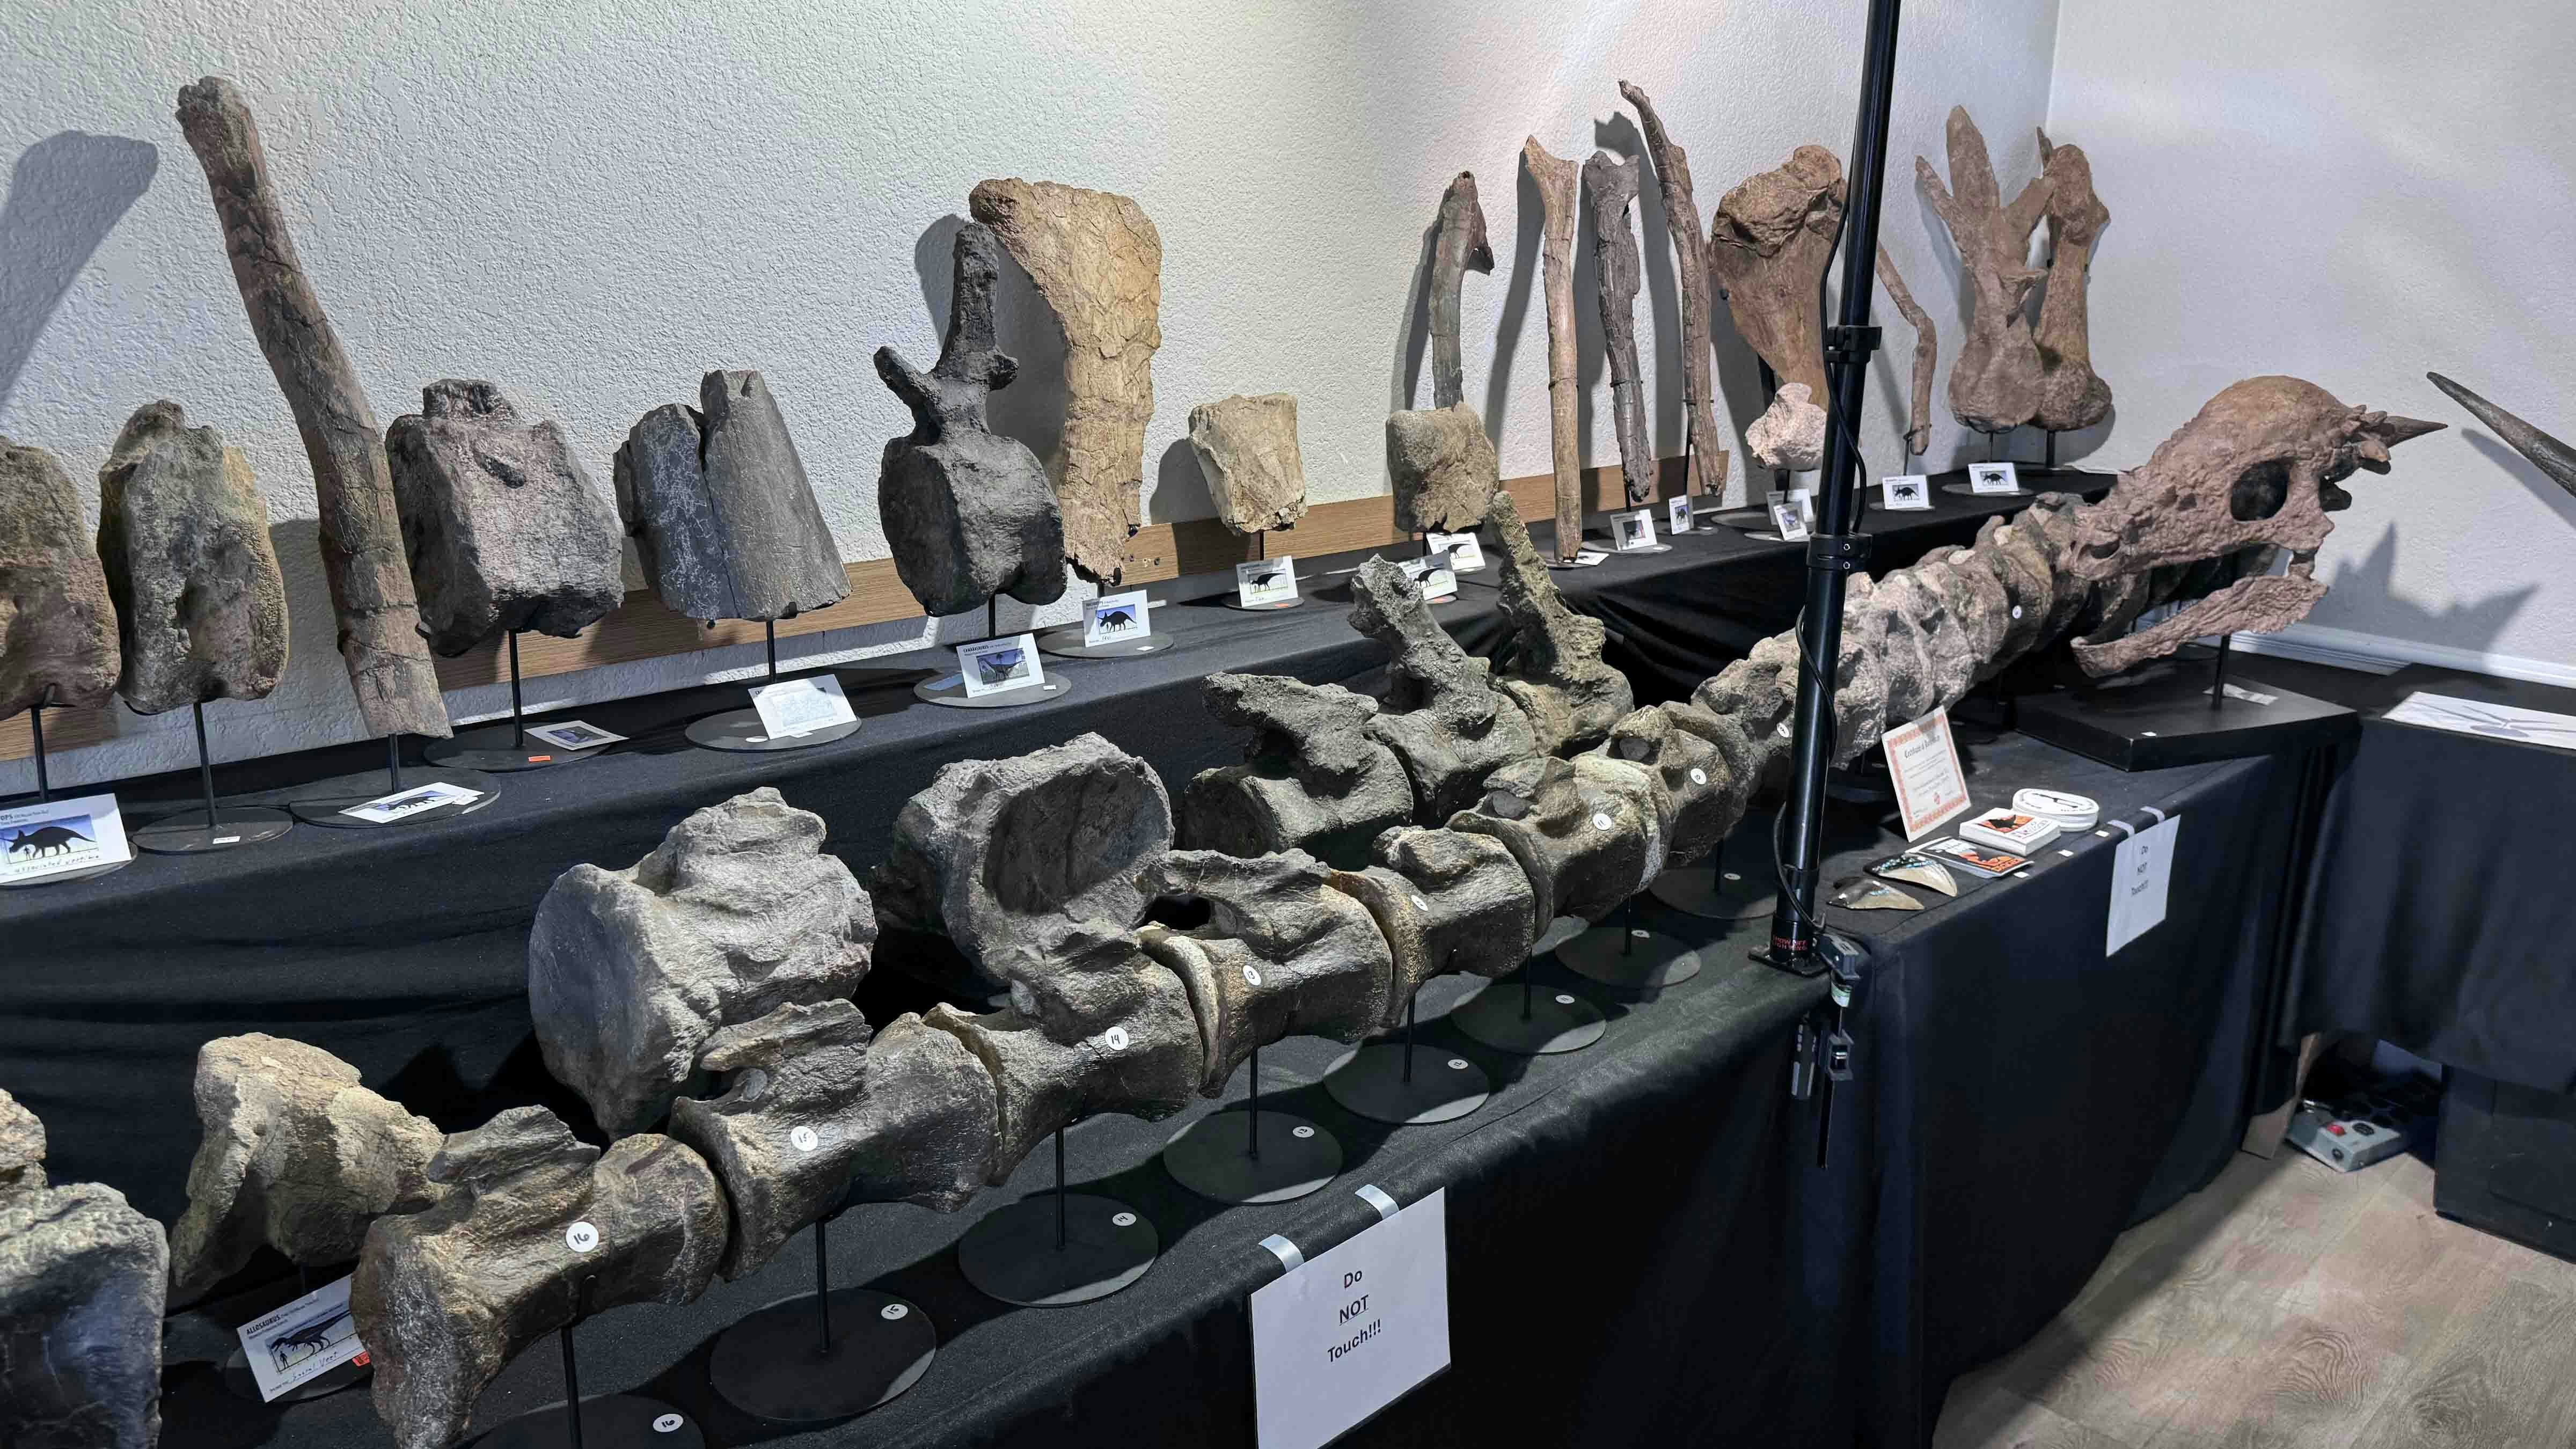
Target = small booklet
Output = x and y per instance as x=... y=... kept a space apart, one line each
x=2013 y=830
x=1974 y=859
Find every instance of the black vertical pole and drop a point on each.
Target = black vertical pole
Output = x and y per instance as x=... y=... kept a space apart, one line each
x=393 y=761
x=36 y=723
x=823 y=1285
x=2218 y=676
x=769 y=638
x=518 y=723
x=1059 y=1189
x=1837 y=548
x=1252 y=1136
x=205 y=763
x=1408 y=1042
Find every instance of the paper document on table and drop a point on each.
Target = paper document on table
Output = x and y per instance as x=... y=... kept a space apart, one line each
x=2477 y=717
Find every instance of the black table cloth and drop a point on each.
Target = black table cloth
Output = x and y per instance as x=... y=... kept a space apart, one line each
x=1643 y=1247
x=2442 y=914
x=403 y=951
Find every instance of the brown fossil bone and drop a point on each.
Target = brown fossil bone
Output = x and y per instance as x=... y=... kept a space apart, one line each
x=1439 y=459
x=362 y=543
x=2256 y=469
x=1612 y=186
x=1927 y=353
x=2071 y=394
x=1994 y=381
x=1097 y=259
x=1767 y=248
x=2550 y=456
x=58 y=625
x=1461 y=248
x=1708 y=461
x=1555 y=177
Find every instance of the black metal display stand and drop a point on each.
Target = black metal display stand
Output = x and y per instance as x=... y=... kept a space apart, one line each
x=1712 y=891
x=2178 y=711
x=1391 y=1081
x=1253 y=1156
x=741 y=731
x=45 y=796
x=827 y=1354
x=1058 y=1248
x=218 y=826
x=1625 y=956
x=610 y=1421
x=498 y=749
x=333 y=799
x=950 y=689
x=1514 y=1015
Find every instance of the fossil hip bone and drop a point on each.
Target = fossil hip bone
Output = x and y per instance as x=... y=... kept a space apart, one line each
x=1994 y=381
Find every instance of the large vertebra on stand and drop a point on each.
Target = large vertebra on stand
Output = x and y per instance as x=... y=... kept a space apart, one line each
x=183 y=535
x=725 y=523
x=737 y=912
x=57 y=625
x=1098 y=261
x=1555 y=675
x=1441 y=714
x=968 y=512
x=1314 y=778
x=81 y=1283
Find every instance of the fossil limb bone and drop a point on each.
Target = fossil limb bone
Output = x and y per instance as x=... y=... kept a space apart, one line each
x=1555 y=177
x=2071 y=394
x=362 y=541
x=1611 y=185
x=1247 y=450
x=1690 y=261
x=2553 y=458
x=1440 y=460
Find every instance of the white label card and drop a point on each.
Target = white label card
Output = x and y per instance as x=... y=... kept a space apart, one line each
x=1787 y=522
x=1905 y=493
x=1353 y=1329
x=795 y=707
x=436 y=795
x=1433 y=575
x=1466 y=553
x=995 y=665
x=1805 y=498
x=301 y=1341
x=1993 y=478
x=1265 y=581
x=1677 y=514
x=2141 y=876
x=41 y=840
x=1113 y=617
x=1634 y=530
x=1923 y=760
x=573 y=734
x=2479 y=717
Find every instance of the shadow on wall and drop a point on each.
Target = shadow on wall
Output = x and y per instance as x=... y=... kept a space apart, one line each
x=1530 y=216
x=1413 y=337
x=67 y=192
x=1031 y=409
x=2495 y=450
x=2470 y=624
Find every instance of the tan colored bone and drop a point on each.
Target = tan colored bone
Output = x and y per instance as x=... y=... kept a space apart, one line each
x=1556 y=177
x=2071 y=394
x=1994 y=381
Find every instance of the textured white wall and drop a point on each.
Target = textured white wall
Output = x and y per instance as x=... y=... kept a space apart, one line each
x=592 y=203
x=2353 y=194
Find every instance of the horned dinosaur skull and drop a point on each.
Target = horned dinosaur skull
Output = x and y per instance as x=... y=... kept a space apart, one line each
x=2255 y=471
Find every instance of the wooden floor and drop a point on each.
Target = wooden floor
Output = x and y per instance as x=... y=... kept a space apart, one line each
x=2288 y=1304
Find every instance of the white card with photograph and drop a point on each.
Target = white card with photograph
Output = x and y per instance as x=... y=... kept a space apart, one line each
x=1113 y=617
x=1265 y=581
x=37 y=841
x=1466 y=554
x=794 y=707
x=1677 y=514
x=1805 y=498
x=419 y=800
x=295 y=1343
x=573 y=734
x=1905 y=493
x=1993 y=478
x=996 y=666
x=1786 y=522
x=1633 y=530
x=1434 y=576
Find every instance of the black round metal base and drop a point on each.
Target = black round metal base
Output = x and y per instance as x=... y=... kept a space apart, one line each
x=1067 y=644
x=1012 y=1254
x=1373 y=1083
x=67 y=877
x=773 y=1365
x=1629 y=958
x=1296 y=603
x=1969 y=490
x=1715 y=894
x=950 y=690
x=499 y=750
x=239 y=1382
x=1213 y=1157
x=332 y=798
x=610 y=1421
x=1528 y=1021
x=741 y=732
x=190 y=832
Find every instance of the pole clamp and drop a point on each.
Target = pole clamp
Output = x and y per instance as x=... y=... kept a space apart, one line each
x=1851 y=344
x=1841 y=553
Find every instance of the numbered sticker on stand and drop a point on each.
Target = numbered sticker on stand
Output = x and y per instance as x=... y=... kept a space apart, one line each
x=794 y=707
x=1433 y=575
x=1787 y=522
x=1905 y=493
x=1114 y=617
x=997 y=666
x=37 y=841
x=1466 y=554
x=300 y=1341
x=1993 y=478
x=1677 y=514
x=1265 y=583
x=1353 y=1329
x=1632 y=531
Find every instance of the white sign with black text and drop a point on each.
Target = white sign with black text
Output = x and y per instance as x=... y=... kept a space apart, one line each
x=1265 y=582
x=1677 y=514
x=48 y=839
x=2141 y=877
x=1905 y=493
x=795 y=707
x=298 y=1342
x=1466 y=554
x=573 y=734
x=1804 y=498
x=1993 y=478
x=1634 y=530
x=991 y=666
x=1787 y=522
x=1434 y=576
x=419 y=800
x=1352 y=1330
x=1923 y=763
x=1113 y=617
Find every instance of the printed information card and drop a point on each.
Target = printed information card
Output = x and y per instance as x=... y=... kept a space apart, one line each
x=1633 y=530
x=1351 y=1331
x=795 y=707
x=2141 y=879
x=1466 y=554
x=1905 y=493
x=572 y=734
x=1787 y=522
x=296 y=1343
x=993 y=666
x=1265 y=583
x=1923 y=760
x=1113 y=617
x=1677 y=514
x=420 y=800
x=1433 y=575
x=37 y=841
x=1993 y=478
